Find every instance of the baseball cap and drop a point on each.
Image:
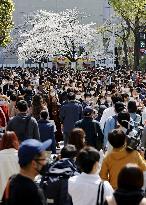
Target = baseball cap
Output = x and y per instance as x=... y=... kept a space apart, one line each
x=88 y=111
x=30 y=148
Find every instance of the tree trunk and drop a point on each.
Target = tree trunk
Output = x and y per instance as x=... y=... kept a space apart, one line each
x=136 y=50
x=125 y=49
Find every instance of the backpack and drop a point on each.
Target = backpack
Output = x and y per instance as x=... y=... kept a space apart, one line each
x=56 y=190
x=25 y=132
x=55 y=182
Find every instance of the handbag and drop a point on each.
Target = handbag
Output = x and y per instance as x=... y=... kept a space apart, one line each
x=100 y=194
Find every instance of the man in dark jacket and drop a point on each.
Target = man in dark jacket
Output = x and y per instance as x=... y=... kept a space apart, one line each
x=22 y=124
x=91 y=127
x=69 y=114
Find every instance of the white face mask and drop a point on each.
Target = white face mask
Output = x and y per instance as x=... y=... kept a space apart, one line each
x=78 y=97
x=92 y=92
x=102 y=101
x=127 y=90
x=88 y=99
x=109 y=99
x=53 y=94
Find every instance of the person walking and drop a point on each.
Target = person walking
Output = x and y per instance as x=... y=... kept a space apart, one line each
x=23 y=124
x=70 y=113
x=93 y=133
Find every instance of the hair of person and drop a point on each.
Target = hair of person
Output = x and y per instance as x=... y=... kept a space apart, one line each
x=22 y=106
x=71 y=96
x=77 y=138
x=116 y=97
x=13 y=97
x=9 y=140
x=123 y=119
x=37 y=106
x=69 y=151
x=44 y=114
x=132 y=108
x=20 y=97
x=130 y=177
x=117 y=138
x=87 y=95
x=86 y=159
x=119 y=107
x=37 y=100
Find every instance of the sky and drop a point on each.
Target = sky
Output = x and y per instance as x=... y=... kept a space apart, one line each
x=93 y=8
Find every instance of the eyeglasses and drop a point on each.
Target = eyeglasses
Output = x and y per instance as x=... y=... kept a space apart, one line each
x=39 y=159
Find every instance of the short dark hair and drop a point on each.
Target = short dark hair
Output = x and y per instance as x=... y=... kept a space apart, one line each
x=44 y=114
x=22 y=105
x=86 y=159
x=119 y=107
x=13 y=97
x=71 y=96
x=117 y=138
x=69 y=151
x=123 y=119
x=132 y=107
x=116 y=98
x=130 y=177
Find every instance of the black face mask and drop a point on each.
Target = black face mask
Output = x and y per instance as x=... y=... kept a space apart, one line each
x=43 y=170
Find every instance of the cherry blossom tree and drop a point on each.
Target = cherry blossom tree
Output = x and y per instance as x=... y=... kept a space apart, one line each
x=43 y=33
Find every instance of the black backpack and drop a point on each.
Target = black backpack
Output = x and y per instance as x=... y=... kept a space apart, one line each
x=55 y=182
x=56 y=190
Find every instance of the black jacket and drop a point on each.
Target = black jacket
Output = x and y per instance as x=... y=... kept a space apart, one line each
x=92 y=130
x=127 y=197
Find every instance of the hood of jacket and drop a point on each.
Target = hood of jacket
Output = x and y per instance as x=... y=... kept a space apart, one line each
x=119 y=154
x=65 y=167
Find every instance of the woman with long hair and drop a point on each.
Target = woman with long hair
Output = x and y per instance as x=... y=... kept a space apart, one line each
x=8 y=158
x=77 y=138
x=37 y=106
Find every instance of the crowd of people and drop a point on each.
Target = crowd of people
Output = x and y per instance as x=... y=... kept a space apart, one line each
x=82 y=131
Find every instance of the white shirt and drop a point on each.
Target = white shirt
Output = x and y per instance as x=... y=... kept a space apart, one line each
x=84 y=188
x=8 y=166
x=109 y=112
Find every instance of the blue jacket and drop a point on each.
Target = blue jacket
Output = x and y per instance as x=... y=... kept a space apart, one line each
x=69 y=114
x=110 y=124
x=46 y=130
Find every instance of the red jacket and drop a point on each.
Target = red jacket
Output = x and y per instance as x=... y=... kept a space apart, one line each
x=3 y=122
